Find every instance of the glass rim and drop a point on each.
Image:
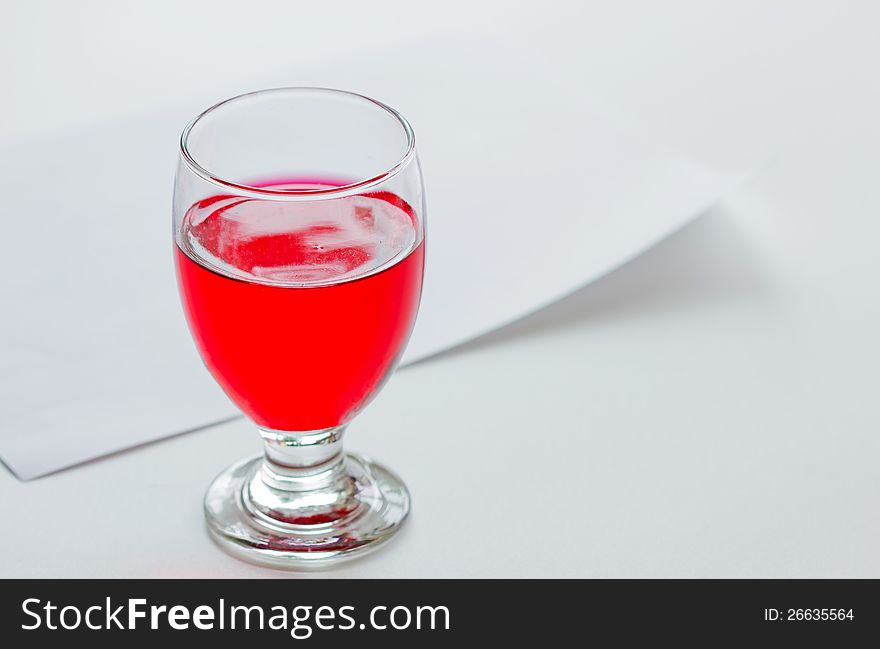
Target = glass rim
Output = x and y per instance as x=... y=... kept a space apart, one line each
x=299 y=194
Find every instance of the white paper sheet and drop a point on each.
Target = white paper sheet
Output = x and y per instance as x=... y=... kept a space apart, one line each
x=532 y=192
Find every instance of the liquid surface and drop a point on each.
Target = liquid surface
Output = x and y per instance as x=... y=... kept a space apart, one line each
x=300 y=309
x=305 y=243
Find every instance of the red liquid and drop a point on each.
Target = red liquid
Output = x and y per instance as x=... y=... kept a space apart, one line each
x=308 y=306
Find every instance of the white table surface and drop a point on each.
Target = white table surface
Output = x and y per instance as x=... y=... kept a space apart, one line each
x=711 y=409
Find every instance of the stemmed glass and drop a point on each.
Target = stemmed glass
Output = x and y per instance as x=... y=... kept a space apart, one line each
x=299 y=230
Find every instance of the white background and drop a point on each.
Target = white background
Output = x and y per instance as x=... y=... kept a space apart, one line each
x=708 y=410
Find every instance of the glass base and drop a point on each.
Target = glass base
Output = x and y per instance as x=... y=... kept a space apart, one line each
x=301 y=522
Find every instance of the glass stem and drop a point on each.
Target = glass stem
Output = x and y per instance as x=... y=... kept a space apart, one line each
x=302 y=480
x=295 y=460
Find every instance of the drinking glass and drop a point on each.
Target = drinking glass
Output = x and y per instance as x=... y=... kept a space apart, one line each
x=299 y=230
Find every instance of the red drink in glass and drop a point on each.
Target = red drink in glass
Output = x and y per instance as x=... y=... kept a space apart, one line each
x=300 y=310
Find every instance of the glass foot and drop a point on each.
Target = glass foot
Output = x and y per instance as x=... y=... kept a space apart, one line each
x=300 y=521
